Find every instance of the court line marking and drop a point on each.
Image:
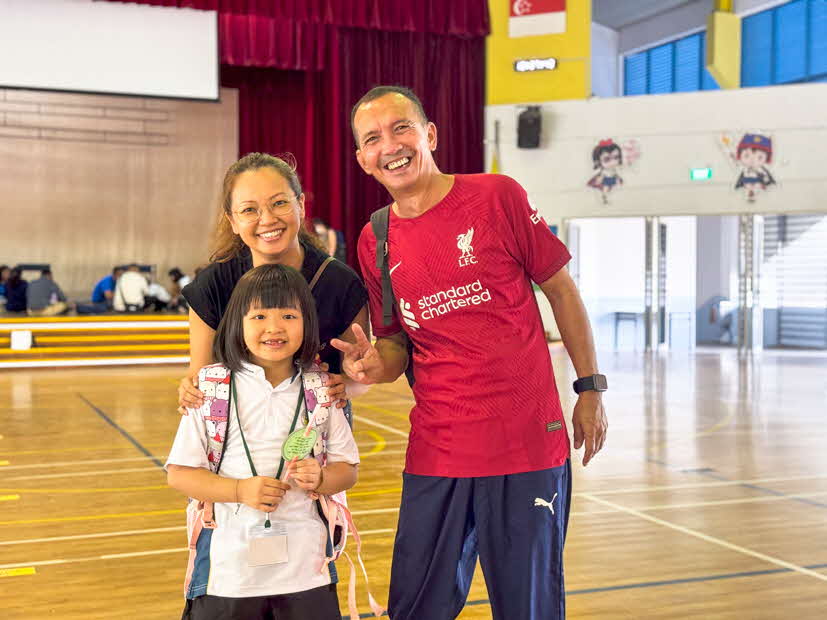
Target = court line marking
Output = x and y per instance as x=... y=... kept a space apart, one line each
x=396 y=509
x=79 y=462
x=383 y=410
x=653 y=584
x=155 y=487
x=383 y=453
x=9 y=498
x=50 y=539
x=122 y=431
x=74 y=474
x=133 y=554
x=701 y=485
x=17 y=572
x=114 y=472
x=379 y=443
x=122 y=515
x=384 y=427
x=710 y=539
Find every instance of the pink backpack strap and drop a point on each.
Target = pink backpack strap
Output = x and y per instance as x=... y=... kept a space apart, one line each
x=375 y=607
x=199 y=517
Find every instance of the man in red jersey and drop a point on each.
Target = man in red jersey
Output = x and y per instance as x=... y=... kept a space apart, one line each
x=487 y=471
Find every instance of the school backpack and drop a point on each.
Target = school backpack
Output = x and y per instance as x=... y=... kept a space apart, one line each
x=379 y=222
x=214 y=382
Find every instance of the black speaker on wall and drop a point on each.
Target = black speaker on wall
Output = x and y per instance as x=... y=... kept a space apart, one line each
x=529 y=127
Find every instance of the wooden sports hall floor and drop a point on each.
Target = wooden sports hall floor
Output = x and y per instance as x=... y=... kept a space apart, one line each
x=709 y=500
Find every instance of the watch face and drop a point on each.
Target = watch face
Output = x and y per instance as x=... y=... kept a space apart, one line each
x=600 y=383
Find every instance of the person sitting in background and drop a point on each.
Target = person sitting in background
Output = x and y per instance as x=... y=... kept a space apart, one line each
x=179 y=281
x=157 y=297
x=130 y=291
x=4 y=275
x=102 y=294
x=104 y=291
x=44 y=297
x=16 y=292
x=325 y=234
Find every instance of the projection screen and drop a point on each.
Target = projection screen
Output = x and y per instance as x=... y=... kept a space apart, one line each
x=109 y=48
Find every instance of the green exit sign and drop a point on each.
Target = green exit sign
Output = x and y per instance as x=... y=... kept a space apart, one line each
x=700 y=174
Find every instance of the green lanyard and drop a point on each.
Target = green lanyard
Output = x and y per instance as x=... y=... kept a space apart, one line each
x=234 y=397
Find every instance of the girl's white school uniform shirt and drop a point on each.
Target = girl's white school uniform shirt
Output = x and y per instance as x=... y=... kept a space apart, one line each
x=266 y=413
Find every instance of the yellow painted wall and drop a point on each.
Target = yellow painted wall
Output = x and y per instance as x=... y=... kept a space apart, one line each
x=570 y=80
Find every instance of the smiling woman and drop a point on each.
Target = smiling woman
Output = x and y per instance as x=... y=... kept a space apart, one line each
x=261 y=221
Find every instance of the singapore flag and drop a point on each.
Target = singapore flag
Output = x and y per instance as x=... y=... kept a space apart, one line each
x=535 y=17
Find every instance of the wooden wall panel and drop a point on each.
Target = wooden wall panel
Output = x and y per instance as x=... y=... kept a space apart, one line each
x=88 y=181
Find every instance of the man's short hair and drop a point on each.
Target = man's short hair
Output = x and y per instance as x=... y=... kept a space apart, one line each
x=380 y=91
x=45 y=272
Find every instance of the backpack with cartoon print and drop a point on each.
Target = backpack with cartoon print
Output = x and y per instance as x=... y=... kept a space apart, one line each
x=214 y=382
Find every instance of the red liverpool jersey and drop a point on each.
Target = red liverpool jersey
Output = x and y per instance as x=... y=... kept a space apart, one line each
x=486 y=401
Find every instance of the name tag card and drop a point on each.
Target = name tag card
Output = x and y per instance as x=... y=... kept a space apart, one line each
x=267 y=545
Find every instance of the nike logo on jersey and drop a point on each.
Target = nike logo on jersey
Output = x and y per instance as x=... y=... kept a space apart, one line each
x=394 y=267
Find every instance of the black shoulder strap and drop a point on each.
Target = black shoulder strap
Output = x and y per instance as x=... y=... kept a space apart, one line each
x=379 y=221
x=320 y=271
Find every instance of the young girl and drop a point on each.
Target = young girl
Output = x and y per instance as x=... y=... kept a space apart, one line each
x=263 y=547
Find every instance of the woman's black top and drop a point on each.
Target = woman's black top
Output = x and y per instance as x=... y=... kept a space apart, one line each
x=339 y=295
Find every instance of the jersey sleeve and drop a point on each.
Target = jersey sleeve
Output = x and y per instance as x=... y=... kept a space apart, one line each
x=190 y=445
x=341 y=446
x=373 y=282
x=529 y=239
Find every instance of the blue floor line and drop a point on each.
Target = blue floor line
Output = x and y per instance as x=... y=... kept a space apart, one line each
x=800 y=500
x=123 y=432
x=655 y=584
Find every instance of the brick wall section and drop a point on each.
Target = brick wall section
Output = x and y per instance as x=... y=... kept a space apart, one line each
x=85 y=118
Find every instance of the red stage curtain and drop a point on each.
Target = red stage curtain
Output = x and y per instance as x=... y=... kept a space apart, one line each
x=464 y=18
x=300 y=66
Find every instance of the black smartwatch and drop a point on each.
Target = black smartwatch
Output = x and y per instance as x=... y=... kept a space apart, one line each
x=593 y=382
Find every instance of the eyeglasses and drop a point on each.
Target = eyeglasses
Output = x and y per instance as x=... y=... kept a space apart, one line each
x=278 y=208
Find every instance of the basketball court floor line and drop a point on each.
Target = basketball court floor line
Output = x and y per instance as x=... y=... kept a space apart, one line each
x=710 y=539
x=394 y=510
x=123 y=432
x=135 y=554
x=754 y=486
x=384 y=427
x=653 y=584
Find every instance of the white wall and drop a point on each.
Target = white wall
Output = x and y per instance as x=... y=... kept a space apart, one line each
x=604 y=61
x=610 y=263
x=676 y=132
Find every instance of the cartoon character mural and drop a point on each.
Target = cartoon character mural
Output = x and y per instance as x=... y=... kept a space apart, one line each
x=751 y=158
x=608 y=158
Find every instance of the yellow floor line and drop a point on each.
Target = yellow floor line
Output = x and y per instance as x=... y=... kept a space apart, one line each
x=360 y=405
x=122 y=515
x=9 y=498
x=376 y=492
x=380 y=443
x=17 y=572
x=75 y=491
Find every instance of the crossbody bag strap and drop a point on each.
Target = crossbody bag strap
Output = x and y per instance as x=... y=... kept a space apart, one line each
x=320 y=271
x=380 y=223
